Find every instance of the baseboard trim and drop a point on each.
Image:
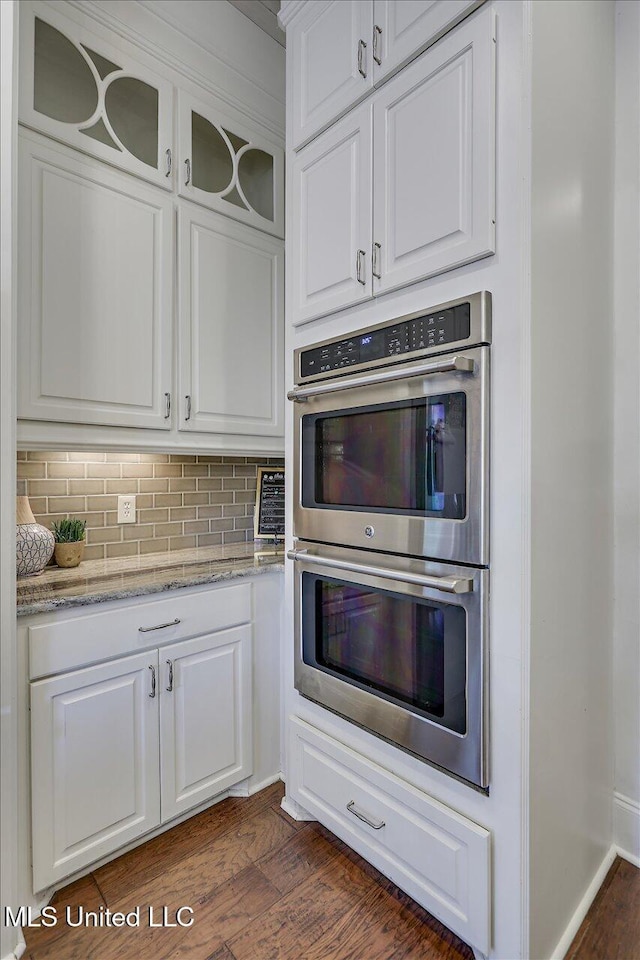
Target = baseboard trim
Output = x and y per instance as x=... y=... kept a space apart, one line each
x=295 y=812
x=18 y=950
x=626 y=828
x=246 y=790
x=583 y=907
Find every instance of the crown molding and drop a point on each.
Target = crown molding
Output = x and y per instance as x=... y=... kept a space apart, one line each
x=288 y=11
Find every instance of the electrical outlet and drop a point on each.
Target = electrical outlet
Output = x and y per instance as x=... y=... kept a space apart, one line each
x=127 y=509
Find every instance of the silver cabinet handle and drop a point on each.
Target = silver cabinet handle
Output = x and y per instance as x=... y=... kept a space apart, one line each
x=167 y=406
x=375 y=261
x=187 y=172
x=448 y=365
x=377 y=44
x=153 y=681
x=360 y=277
x=160 y=626
x=445 y=584
x=168 y=157
x=170 y=665
x=188 y=410
x=362 y=61
x=377 y=825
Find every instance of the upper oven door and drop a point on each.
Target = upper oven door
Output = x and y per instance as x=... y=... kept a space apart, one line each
x=397 y=460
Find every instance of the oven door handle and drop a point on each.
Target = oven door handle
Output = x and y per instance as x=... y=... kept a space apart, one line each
x=445 y=584
x=447 y=365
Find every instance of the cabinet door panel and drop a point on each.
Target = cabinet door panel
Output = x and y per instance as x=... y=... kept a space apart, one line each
x=94 y=749
x=229 y=167
x=95 y=292
x=405 y=27
x=326 y=64
x=231 y=319
x=332 y=227
x=205 y=718
x=434 y=185
x=76 y=87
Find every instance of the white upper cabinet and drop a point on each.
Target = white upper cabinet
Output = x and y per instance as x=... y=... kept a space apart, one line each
x=79 y=89
x=95 y=291
x=230 y=326
x=404 y=27
x=340 y=49
x=331 y=233
x=434 y=148
x=230 y=168
x=331 y=60
x=432 y=205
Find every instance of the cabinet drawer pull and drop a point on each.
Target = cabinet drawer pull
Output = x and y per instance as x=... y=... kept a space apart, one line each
x=160 y=626
x=187 y=172
x=375 y=261
x=362 y=63
x=377 y=825
x=360 y=277
x=153 y=681
x=188 y=413
x=170 y=665
x=377 y=44
x=168 y=158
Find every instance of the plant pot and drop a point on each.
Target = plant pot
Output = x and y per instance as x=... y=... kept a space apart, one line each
x=34 y=543
x=69 y=554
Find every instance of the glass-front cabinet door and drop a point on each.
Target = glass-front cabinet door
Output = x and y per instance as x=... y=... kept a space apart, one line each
x=228 y=167
x=82 y=90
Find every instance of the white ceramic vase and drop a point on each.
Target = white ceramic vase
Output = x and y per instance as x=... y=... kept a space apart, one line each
x=34 y=543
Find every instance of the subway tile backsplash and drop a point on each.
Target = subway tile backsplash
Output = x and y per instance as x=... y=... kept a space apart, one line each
x=181 y=501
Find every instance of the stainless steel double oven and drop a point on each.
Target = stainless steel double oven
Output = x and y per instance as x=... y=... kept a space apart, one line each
x=391 y=520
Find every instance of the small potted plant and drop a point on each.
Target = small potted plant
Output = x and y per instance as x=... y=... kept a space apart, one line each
x=69 y=536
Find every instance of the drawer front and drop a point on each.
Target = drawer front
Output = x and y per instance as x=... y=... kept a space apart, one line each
x=79 y=640
x=438 y=857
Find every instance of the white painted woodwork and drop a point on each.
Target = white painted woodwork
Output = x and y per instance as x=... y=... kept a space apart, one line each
x=206 y=718
x=95 y=291
x=434 y=149
x=79 y=637
x=237 y=187
x=94 y=764
x=125 y=126
x=438 y=857
x=332 y=182
x=231 y=321
x=323 y=45
x=405 y=27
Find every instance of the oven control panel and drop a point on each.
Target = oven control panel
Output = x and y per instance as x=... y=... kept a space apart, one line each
x=428 y=333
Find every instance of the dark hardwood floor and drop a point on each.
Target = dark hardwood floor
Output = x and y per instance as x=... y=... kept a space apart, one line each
x=263 y=887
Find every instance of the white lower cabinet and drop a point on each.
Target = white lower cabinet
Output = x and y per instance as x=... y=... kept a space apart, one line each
x=119 y=748
x=437 y=856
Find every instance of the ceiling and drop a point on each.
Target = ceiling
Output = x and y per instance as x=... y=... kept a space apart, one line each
x=264 y=13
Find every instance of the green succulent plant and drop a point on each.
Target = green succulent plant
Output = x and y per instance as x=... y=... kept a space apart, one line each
x=69 y=530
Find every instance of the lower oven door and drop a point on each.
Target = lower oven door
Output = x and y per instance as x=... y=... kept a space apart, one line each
x=398 y=646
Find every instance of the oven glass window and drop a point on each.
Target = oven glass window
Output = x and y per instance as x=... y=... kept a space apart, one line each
x=405 y=650
x=405 y=457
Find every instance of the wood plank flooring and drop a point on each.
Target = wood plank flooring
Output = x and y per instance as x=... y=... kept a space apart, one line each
x=263 y=887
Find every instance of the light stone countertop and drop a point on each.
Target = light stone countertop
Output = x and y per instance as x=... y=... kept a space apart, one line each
x=97 y=581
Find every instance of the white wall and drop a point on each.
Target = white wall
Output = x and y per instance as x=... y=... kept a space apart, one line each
x=8 y=724
x=626 y=434
x=571 y=737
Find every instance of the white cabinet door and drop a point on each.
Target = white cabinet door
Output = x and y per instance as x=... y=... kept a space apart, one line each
x=205 y=717
x=94 y=764
x=434 y=148
x=331 y=63
x=231 y=326
x=331 y=228
x=229 y=167
x=76 y=87
x=95 y=291
x=402 y=28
